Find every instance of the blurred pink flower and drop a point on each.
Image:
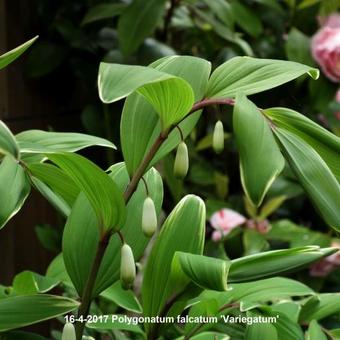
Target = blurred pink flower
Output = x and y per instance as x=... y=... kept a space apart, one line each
x=321 y=268
x=332 y=21
x=261 y=226
x=326 y=47
x=224 y=221
x=334 y=258
x=325 y=266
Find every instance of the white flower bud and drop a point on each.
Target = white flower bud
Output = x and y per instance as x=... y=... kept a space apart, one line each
x=149 y=217
x=181 y=164
x=127 y=267
x=69 y=332
x=218 y=137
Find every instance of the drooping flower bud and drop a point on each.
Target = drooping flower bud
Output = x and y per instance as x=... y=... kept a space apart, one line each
x=149 y=217
x=69 y=332
x=218 y=137
x=127 y=267
x=181 y=164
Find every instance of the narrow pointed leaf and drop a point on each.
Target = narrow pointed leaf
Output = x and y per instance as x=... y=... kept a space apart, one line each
x=260 y=331
x=14 y=188
x=132 y=229
x=55 y=178
x=81 y=234
x=99 y=188
x=123 y=298
x=326 y=144
x=30 y=309
x=8 y=144
x=314 y=175
x=28 y=283
x=250 y=75
x=39 y=141
x=140 y=125
x=184 y=231
x=206 y=272
x=274 y=262
x=260 y=157
x=10 y=56
x=315 y=332
x=171 y=96
x=320 y=307
x=57 y=201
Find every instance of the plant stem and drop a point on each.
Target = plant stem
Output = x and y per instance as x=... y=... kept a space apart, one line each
x=143 y=166
x=103 y=243
x=87 y=294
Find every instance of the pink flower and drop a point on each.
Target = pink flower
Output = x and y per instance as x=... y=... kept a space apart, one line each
x=332 y=21
x=325 y=266
x=224 y=221
x=334 y=258
x=321 y=268
x=261 y=226
x=326 y=47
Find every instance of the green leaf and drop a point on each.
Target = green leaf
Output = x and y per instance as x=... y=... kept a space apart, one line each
x=57 y=270
x=249 y=75
x=81 y=233
x=8 y=144
x=55 y=178
x=172 y=97
x=246 y=19
x=315 y=332
x=132 y=229
x=123 y=298
x=260 y=158
x=20 y=335
x=57 y=201
x=326 y=144
x=38 y=141
x=251 y=294
x=140 y=124
x=271 y=206
x=102 y=11
x=48 y=236
x=10 y=56
x=255 y=293
x=285 y=327
x=254 y=242
x=206 y=272
x=113 y=322
x=260 y=331
x=298 y=47
x=101 y=191
x=273 y=262
x=320 y=307
x=314 y=175
x=28 y=283
x=207 y=336
x=157 y=287
x=20 y=311
x=14 y=188
x=137 y=22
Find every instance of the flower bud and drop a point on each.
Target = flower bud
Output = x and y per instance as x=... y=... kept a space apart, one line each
x=149 y=217
x=69 y=332
x=127 y=267
x=218 y=137
x=181 y=164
